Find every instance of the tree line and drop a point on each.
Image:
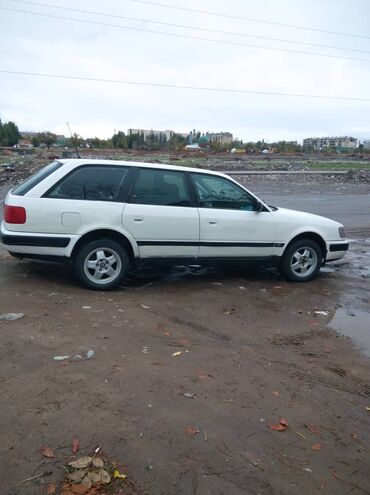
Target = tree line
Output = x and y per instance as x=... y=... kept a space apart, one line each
x=10 y=136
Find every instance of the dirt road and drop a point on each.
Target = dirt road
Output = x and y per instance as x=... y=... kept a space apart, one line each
x=252 y=351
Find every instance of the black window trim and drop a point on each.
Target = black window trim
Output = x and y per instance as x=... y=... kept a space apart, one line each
x=120 y=197
x=188 y=185
x=226 y=179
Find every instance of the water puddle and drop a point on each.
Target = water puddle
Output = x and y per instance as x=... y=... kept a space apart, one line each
x=355 y=325
x=157 y=275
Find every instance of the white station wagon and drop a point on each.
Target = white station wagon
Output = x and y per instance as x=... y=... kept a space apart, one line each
x=105 y=215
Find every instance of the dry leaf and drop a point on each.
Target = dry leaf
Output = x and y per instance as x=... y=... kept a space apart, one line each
x=97 y=462
x=276 y=393
x=282 y=426
x=81 y=463
x=75 y=445
x=284 y=422
x=47 y=452
x=105 y=477
x=79 y=490
x=77 y=475
x=354 y=435
x=367 y=408
x=278 y=427
x=176 y=354
x=86 y=482
x=313 y=428
x=191 y=431
x=316 y=447
x=51 y=489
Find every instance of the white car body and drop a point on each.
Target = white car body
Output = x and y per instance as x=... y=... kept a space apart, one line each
x=54 y=227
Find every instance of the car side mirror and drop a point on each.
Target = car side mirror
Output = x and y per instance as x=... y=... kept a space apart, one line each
x=258 y=206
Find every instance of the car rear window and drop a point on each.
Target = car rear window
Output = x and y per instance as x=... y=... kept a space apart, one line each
x=35 y=179
x=90 y=182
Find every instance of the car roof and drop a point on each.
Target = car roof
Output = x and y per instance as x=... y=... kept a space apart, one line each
x=96 y=161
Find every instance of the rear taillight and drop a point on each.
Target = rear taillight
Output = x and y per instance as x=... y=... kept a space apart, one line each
x=14 y=214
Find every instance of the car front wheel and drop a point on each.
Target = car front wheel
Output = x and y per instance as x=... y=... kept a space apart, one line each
x=301 y=261
x=101 y=264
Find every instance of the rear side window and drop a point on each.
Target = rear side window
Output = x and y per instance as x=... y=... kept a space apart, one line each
x=36 y=178
x=92 y=183
x=160 y=187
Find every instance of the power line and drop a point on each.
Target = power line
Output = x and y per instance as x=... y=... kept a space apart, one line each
x=250 y=19
x=185 y=26
x=185 y=36
x=181 y=86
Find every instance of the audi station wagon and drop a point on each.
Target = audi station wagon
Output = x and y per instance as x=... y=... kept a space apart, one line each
x=105 y=216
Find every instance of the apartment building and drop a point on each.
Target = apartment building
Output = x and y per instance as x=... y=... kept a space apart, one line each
x=338 y=143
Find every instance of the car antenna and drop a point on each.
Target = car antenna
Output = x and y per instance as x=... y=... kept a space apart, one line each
x=77 y=153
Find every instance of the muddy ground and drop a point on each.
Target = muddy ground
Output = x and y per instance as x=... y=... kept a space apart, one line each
x=252 y=351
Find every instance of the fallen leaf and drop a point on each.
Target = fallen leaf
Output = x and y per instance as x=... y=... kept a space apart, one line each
x=176 y=354
x=312 y=428
x=75 y=445
x=86 y=482
x=47 y=452
x=77 y=475
x=367 y=409
x=167 y=334
x=191 y=431
x=276 y=393
x=81 y=463
x=354 y=435
x=51 y=489
x=105 y=476
x=228 y=311
x=316 y=447
x=117 y=474
x=284 y=422
x=97 y=462
x=278 y=427
x=79 y=489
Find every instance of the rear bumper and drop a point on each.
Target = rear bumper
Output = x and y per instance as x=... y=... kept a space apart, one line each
x=30 y=243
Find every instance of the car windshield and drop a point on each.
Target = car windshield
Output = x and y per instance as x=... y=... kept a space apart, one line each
x=35 y=179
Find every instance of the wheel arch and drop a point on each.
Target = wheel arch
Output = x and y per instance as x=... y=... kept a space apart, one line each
x=313 y=236
x=106 y=234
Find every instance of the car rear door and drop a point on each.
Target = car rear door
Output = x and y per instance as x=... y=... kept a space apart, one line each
x=230 y=226
x=161 y=214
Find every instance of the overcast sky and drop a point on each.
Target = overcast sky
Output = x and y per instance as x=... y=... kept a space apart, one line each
x=31 y=43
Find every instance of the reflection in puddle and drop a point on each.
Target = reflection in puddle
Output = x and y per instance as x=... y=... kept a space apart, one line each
x=353 y=324
x=156 y=275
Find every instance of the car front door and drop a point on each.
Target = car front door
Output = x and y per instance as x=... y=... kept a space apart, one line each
x=230 y=225
x=161 y=215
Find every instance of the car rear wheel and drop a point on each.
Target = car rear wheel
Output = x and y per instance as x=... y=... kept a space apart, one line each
x=101 y=264
x=301 y=261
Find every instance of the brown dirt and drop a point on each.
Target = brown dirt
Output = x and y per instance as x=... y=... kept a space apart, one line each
x=253 y=351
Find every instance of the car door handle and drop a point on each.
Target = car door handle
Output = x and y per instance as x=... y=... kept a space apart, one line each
x=212 y=223
x=138 y=220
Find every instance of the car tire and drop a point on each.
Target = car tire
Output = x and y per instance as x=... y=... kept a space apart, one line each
x=301 y=261
x=101 y=264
